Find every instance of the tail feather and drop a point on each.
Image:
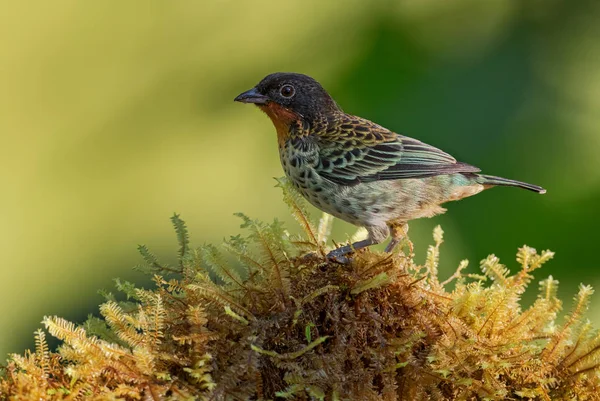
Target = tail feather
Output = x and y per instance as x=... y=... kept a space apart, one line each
x=492 y=180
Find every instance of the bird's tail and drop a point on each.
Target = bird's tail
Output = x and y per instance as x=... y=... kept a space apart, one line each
x=491 y=180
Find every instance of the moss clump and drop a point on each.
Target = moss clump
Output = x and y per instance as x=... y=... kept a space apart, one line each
x=285 y=323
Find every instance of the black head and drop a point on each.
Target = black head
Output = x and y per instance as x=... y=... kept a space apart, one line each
x=298 y=93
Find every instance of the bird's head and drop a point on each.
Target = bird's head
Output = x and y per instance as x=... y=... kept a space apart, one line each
x=288 y=97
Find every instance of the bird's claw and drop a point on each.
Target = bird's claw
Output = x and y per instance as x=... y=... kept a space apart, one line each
x=341 y=259
x=338 y=257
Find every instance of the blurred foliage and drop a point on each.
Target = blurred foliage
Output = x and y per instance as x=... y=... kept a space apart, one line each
x=114 y=115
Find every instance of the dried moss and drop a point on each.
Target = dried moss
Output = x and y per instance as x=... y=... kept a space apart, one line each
x=290 y=325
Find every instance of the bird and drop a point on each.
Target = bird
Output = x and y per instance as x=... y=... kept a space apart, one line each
x=357 y=170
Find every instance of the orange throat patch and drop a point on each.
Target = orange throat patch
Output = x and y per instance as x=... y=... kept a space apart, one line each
x=282 y=119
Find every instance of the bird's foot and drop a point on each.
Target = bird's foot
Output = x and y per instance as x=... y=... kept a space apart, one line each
x=339 y=255
x=399 y=233
x=393 y=243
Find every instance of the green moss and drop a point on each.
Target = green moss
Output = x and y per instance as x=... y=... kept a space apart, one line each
x=285 y=323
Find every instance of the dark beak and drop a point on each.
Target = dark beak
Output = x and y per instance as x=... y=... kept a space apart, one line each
x=252 y=96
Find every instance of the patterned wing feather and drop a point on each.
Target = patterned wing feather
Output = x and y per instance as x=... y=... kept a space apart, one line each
x=355 y=150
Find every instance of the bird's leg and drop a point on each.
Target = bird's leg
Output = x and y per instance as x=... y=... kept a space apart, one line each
x=398 y=231
x=376 y=235
x=338 y=254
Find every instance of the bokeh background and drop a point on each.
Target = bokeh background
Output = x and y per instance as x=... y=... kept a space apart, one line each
x=114 y=115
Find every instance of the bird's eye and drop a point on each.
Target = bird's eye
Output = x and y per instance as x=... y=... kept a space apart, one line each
x=287 y=91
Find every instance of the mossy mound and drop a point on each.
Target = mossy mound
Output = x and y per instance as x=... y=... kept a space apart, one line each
x=283 y=322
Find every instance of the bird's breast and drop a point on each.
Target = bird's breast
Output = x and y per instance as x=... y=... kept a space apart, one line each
x=298 y=160
x=325 y=195
x=282 y=118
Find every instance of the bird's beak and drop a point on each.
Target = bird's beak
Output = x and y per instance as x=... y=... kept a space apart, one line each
x=251 y=96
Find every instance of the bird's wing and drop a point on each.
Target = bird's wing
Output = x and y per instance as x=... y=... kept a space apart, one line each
x=354 y=150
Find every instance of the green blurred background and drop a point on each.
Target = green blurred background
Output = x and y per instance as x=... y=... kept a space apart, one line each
x=114 y=115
